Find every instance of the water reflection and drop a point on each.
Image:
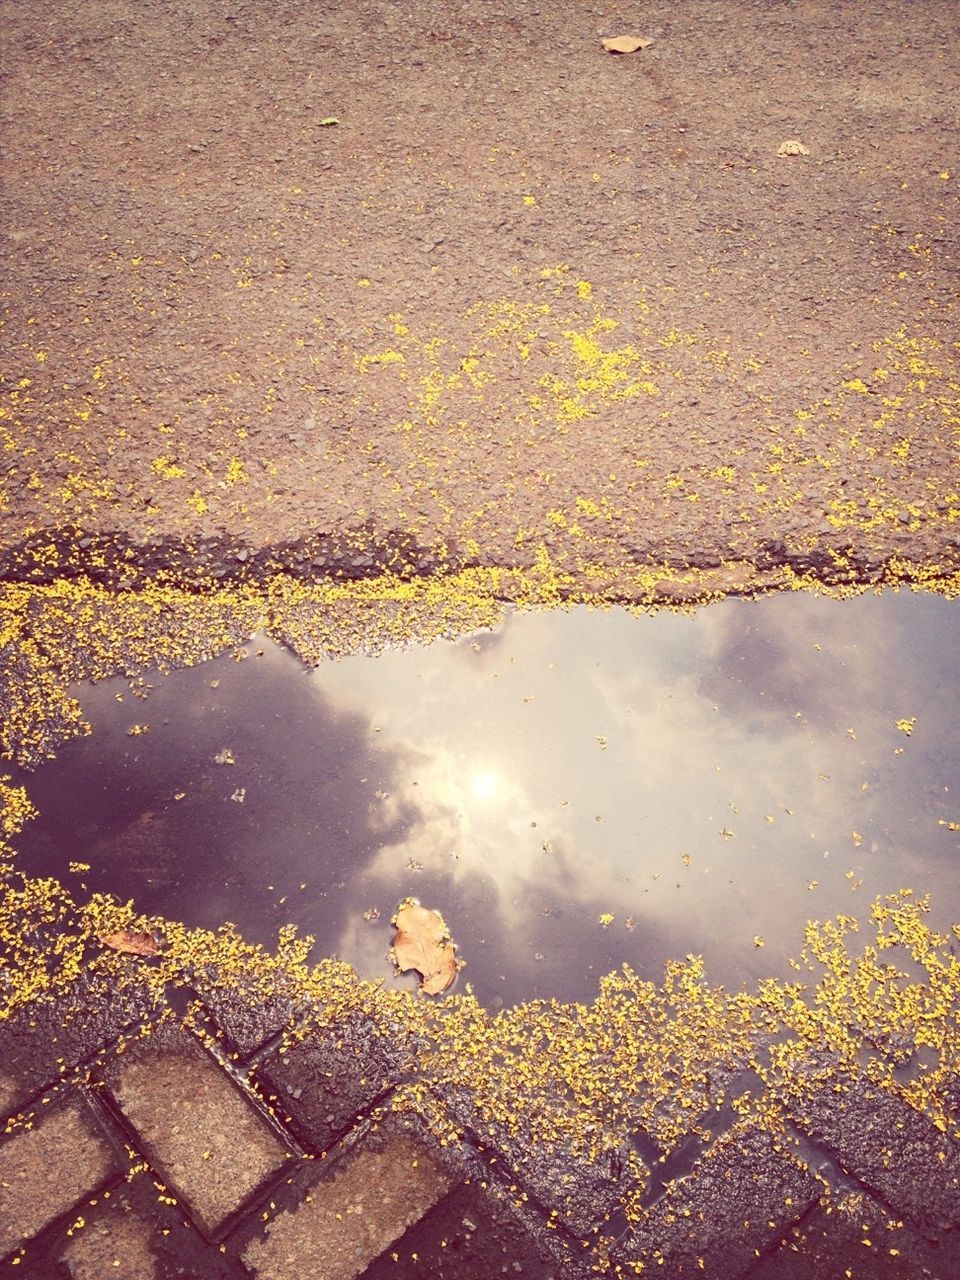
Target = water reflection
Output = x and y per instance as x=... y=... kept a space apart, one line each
x=701 y=784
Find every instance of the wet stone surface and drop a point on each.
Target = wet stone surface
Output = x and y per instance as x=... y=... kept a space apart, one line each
x=468 y=1234
x=44 y=1042
x=582 y=1194
x=322 y=1084
x=249 y=1017
x=738 y=1199
x=858 y=1238
x=887 y=1146
x=395 y=1198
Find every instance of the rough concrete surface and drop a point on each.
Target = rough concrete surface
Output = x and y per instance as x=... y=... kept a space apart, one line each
x=455 y=286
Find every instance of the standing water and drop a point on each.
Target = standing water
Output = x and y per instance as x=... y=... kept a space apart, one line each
x=574 y=791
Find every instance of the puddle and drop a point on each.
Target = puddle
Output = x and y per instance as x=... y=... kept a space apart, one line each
x=709 y=782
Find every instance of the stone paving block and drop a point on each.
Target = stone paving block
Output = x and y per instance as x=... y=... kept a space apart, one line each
x=583 y=1192
x=247 y=1016
x=348 y=1219
x=738 y=1199
x=467 y=1235
x=322 y=1083
x=206 y=1141
x=128 y=1230
x=115 y=1244
x=39 y=1044
x=888 y=1146
x=45 y=1170
x=11 y=1091
x=857 y=1238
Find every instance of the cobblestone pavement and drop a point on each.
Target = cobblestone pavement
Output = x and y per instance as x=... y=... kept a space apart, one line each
x=217 y=1134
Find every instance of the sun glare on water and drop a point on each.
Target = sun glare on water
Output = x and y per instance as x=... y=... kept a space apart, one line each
x=484 y=785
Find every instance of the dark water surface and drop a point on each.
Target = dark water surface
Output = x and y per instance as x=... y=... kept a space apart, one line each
x=711 y=782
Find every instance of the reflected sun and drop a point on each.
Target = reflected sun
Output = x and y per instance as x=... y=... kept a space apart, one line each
x=484 y=785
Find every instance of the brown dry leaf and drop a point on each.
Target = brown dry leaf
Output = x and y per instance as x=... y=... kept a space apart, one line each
x=423 y=943
x=626 y=44
x=130 y=942
x=792 y=147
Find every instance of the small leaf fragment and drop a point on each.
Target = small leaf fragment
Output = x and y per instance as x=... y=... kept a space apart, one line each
x=792 y=147
x=130 y=941
x=626 y=44
x=329 y=120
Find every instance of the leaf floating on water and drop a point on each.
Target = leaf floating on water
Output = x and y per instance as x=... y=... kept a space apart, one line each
x=225 y=756
x=626 y=44
x=907 y=726
x=130 y=941
x=792 y=147
x=423 y=943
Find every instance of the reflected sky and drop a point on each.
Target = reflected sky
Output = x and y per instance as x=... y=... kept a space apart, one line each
x=709 y=782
